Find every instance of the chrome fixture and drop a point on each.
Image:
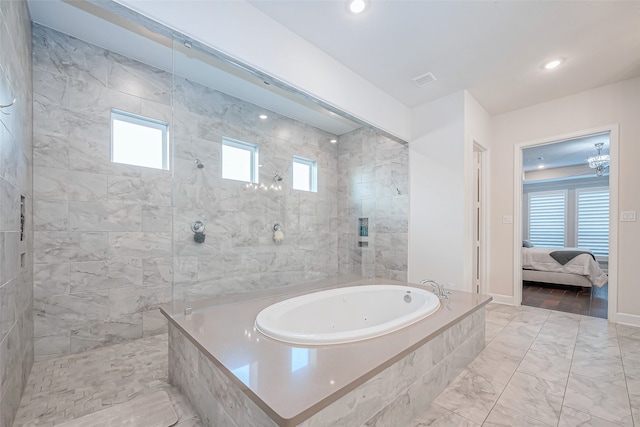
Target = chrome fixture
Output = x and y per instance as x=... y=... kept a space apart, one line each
x=438 y=289
x=276 y=177
x=199 y=164
x=198 y=229
x=599 y=162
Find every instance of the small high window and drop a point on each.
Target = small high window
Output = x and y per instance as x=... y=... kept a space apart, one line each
x=239 y=160
x=139 y=141
x=305 y=174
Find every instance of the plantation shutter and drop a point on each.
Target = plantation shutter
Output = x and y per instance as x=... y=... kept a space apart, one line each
x=593 y=221
x=547 y=218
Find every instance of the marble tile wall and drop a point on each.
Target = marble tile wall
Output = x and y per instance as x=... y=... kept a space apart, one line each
x=102 y=239
x=373 y=184
x=239 y=254
x=16 y=251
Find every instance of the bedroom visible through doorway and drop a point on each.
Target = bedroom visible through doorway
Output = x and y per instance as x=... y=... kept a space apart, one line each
x=565 y=225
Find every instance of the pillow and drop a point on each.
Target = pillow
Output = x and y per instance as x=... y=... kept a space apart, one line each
x=527 y=244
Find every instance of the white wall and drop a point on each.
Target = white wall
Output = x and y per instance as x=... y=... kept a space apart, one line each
x=436 y=191
x=617 y=103
x=230 y=27
x=441 y=188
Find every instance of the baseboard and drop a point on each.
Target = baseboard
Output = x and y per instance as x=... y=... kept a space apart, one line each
x=502 y=299
x=628 y=319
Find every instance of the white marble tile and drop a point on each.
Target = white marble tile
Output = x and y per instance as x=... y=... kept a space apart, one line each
x=546 y=366
x=600 y=368
x=59 y=184
x=152 y=190
x=560 y=344
x=495 y=365
x=534 y=397
x=470 y=396
x=504 y=417
x=139 y=245
x=573 y=418
x=85 y=216
x=61 y=246
x=603 y=400
x=51 y=215
x=437 y=416
x=50 y=279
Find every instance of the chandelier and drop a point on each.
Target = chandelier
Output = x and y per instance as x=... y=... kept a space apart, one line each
x=599 y=162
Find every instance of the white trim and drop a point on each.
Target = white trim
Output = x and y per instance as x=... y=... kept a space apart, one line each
x=502 y=299
x=613 y=213
x=483 y=158
x=628 y=319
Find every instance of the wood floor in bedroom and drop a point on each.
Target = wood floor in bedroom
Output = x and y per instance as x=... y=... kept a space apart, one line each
x=570 y=299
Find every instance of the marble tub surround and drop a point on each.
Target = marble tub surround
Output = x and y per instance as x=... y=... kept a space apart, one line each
x=233 y=374
x=16 y=248
x=102 y=244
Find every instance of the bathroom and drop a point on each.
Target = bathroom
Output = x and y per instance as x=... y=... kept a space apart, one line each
x=106 y=244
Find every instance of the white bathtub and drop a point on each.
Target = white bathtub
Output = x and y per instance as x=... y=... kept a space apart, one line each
x=345 y=315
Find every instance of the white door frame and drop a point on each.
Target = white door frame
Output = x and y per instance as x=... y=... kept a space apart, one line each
x=483 y=158
x=613 y=211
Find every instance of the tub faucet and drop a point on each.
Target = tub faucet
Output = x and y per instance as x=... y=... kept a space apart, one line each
x=438 y=289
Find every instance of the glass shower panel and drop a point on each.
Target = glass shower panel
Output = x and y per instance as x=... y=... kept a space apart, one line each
x=239 y=254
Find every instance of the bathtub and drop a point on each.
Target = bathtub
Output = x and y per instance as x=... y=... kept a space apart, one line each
x=216 y=350
x=345 y=315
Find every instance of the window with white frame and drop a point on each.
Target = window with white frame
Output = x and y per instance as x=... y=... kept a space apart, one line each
x=139 y=141
x=239 y=160
x=593 y=220
x=548 y=218
x=305 y=174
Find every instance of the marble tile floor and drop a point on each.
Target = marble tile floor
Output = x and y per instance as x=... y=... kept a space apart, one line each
x=540 y=368
x=69 y=387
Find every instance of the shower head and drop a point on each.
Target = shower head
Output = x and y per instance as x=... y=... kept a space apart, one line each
x=199 y=164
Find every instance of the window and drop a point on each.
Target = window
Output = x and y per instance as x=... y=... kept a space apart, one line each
x=305 y=174
x=139 y=141
x=547 y=218
x=239 y=160
x=593 y=221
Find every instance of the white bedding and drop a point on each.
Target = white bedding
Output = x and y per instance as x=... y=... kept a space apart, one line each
x=538 y=258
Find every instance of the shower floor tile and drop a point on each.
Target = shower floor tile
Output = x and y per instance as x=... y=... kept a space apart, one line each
x=69 y=387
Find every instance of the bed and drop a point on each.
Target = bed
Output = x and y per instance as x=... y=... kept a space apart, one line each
x=583 y=270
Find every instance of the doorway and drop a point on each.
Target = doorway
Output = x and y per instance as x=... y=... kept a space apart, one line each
x=560 y=205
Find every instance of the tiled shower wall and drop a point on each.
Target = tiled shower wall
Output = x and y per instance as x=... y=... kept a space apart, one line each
x=16 y=278
x=102 y=230
x=104 y=256
x=373 y=184
x=239 y=254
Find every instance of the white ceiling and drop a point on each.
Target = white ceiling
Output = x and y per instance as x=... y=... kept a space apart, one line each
x=571 y=152
x=494 y=49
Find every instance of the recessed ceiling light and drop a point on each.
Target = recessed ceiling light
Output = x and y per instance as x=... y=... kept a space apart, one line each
x=553 y=64
x=357 y=6
x=333 y=141
x=263 y=116
x=540 y=166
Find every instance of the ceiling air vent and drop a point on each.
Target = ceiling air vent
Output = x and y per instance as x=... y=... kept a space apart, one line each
x=424 y=79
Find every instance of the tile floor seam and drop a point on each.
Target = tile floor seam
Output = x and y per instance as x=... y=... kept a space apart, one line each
x=566 y=385
x=516 y=370
x=626 y=381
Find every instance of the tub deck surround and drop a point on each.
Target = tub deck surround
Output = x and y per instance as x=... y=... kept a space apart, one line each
x=290 y=383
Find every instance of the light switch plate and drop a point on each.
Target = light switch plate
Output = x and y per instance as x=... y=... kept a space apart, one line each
x=507 y=219
x=628 y=216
